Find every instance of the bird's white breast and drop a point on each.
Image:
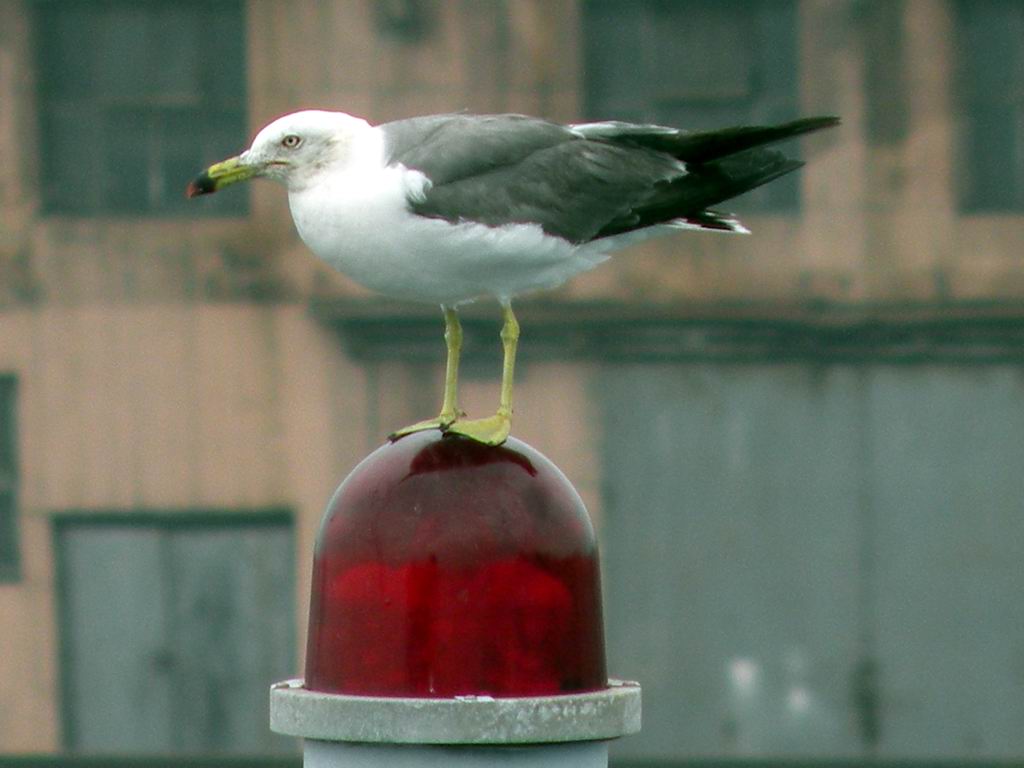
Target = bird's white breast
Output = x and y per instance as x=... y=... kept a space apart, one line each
x=359 y=222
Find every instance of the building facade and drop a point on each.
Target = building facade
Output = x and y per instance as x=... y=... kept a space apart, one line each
x=801 y=448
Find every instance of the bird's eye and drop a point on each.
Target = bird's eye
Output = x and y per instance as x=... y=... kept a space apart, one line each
x=291 y=141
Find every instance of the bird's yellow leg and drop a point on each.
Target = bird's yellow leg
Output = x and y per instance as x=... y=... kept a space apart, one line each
x=449 y=406
x=494 y=429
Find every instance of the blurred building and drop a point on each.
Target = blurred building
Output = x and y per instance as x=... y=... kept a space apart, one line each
x=803 y=448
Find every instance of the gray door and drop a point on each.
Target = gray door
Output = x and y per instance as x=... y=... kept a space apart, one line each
x=947 y=469
x=817 y=560
x=172 y=631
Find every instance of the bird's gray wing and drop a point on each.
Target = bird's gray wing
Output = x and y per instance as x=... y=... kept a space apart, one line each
x=447 y=148
x=585 y=181
x=511 y=169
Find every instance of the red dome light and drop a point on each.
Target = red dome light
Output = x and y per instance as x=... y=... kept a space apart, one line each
x=446 y=567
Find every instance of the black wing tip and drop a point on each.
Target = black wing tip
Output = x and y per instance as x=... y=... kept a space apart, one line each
x=811 y=124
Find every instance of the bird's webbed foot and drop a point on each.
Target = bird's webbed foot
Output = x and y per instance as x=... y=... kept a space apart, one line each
x=442 y=422
x=493 y=430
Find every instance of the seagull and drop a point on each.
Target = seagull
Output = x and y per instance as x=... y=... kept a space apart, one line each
x=453 y=208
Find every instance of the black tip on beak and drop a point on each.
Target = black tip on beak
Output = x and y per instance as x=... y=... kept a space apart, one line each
x=203 y=184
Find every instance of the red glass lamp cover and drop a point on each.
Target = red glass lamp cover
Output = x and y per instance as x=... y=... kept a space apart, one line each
x=446 y=567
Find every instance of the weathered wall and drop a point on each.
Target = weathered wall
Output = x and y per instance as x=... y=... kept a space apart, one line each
x=171 y=407
x=172 y=364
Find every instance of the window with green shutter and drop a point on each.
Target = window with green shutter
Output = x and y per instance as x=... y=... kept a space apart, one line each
x=9 y=560
x=990 y=90
x=134 y=97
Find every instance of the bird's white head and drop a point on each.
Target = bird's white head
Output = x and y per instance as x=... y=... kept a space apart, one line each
x=293 y=149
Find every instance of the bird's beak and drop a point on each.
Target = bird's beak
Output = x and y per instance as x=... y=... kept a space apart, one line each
x=221 y=175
